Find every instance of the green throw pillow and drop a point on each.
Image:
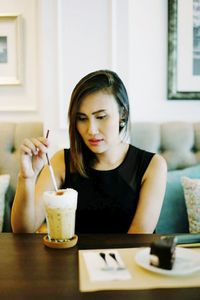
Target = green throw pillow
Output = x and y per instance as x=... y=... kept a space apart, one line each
x=173 y=216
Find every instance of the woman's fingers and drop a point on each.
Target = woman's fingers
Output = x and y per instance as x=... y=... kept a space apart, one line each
x=33 y=156
x=25 y=150
x=35 y=146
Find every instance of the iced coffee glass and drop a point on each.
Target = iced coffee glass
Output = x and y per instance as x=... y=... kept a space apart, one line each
x=60 y=209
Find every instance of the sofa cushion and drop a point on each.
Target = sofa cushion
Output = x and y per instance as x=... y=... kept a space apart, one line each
x=173 y=216
x=178 y=142
x=191 y=189
x=11 y=136
x=4 y=183
x=9 y=196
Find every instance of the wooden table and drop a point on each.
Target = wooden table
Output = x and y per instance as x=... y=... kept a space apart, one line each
x=29 y=270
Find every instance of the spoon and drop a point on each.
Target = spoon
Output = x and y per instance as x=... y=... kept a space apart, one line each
x=120 y=267
x=103 y=256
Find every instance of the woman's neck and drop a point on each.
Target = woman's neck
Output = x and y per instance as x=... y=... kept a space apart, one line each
x=111 y=159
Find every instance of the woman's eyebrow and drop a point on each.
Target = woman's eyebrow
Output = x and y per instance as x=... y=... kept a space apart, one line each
x=80 y=113
x=98 y=111
x=95 y=112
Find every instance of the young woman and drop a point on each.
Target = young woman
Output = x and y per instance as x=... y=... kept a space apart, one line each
x=120 y=187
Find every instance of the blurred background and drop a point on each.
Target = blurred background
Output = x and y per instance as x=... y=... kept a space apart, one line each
x=63 y=40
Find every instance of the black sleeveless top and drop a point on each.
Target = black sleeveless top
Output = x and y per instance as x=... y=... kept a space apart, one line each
x=107 y=200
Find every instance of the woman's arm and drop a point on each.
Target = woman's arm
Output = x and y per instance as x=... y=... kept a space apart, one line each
x=27 y=211
x=151 y=197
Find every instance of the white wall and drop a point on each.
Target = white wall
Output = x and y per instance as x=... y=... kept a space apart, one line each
x=65 y=39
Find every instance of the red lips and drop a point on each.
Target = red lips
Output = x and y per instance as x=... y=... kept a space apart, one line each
x=95 y=142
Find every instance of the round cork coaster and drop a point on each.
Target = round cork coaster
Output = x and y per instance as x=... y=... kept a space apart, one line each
x=60 y=245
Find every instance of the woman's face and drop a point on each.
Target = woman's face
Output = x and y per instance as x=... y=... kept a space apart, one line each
x=98 y=122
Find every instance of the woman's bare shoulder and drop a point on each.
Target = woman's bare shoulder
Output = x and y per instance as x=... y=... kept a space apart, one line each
x=159 y=161
x=157 y=165
x=59 y=155
x=156 y=168
x=58 y=163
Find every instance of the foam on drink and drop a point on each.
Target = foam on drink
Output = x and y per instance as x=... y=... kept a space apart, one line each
x=60 y=209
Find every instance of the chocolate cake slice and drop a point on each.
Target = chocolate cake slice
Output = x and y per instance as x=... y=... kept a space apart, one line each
x=162 y=253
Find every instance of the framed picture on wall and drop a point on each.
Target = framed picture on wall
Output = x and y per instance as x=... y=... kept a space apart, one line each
x=184 y=49
x=10 y=49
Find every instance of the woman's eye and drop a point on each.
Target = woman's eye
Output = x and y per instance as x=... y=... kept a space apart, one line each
x=81 y=118
x=101 y=117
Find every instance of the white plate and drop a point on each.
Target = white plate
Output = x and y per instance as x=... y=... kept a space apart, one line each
x=186 y=262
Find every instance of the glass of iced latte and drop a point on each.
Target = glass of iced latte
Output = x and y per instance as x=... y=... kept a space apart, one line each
x=60 y=209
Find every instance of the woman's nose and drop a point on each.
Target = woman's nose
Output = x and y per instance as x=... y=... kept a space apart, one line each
x=92 y=128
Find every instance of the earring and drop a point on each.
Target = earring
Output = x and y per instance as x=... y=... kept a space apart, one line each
x=122 y=124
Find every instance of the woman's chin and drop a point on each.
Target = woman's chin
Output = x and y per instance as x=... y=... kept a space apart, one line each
x=97 y=149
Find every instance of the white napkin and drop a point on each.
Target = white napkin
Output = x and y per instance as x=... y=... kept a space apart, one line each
x=98 y=270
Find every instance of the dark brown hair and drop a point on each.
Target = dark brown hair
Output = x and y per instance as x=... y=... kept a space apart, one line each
x=108 y=81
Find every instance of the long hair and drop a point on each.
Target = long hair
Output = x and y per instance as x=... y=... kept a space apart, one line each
x=108 y=81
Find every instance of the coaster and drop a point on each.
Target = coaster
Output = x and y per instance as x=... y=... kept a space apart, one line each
x=60 y=245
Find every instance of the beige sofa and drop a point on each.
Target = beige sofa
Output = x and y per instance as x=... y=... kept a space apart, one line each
x=178 y=142
x=11 y=136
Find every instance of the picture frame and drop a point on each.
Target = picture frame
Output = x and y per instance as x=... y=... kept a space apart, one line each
x=11 y=49
x=182 y=84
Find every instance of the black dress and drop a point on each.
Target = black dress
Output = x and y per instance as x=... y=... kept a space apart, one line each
x=107 y=200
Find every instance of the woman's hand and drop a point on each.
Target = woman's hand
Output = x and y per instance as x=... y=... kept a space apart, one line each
x=32 y=156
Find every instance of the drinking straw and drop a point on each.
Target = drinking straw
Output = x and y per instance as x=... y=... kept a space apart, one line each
x=50 y=167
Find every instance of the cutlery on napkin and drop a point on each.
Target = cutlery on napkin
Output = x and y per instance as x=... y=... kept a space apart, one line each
x=105 y=265
x=113 y=255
